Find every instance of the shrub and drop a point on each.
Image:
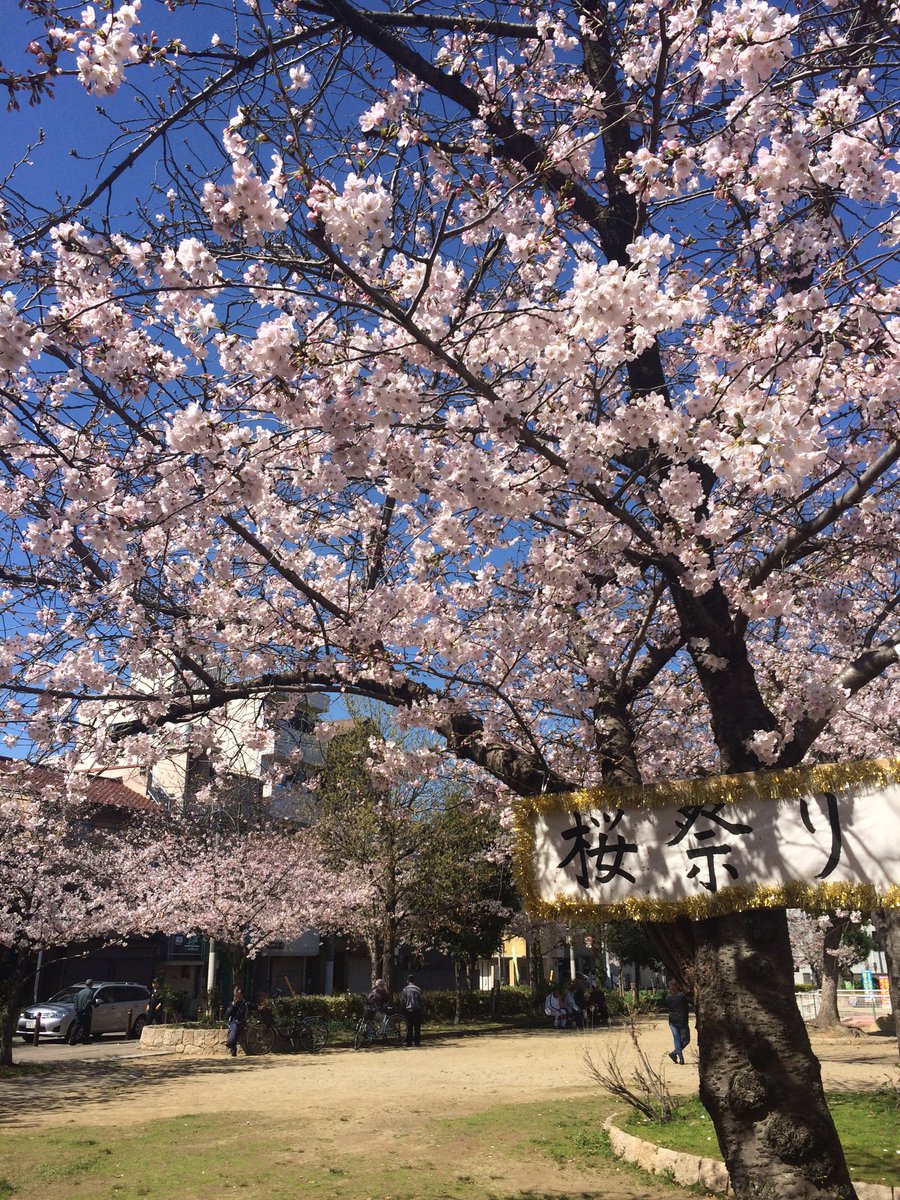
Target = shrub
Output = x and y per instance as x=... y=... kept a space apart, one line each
x=342 y=1009
x=440 y=1006
x=507 y=1002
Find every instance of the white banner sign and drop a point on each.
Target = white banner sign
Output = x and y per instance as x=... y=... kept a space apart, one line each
x=825 y=836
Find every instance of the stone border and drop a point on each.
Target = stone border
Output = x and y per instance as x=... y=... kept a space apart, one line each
x=688 y=1169
x=174 y=1039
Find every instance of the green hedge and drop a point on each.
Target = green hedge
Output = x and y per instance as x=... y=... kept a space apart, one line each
x=508 y=1002
x=440 y=1006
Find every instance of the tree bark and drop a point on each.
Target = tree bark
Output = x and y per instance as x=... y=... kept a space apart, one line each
x=827 y=1016
x=759 y=1079
x=18 y=967
x=374 y=958
x=538 y=979
x=887 y=926
x=388 y=958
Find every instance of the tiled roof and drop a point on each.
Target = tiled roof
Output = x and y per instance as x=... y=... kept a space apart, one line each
x=101 y=791
x=112 y=794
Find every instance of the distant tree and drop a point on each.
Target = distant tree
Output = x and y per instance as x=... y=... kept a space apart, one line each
x=828 y=943
x=464 y=895
x=61 y=881
x=888 y=931
x=628 y=941
x=246 y=889
x=379 y=799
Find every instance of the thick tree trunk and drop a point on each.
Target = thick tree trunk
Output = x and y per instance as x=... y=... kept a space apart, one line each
x=759 y=1079
x=17 y=969
x=827 y=1016
x=674 y=943
x=887 y=926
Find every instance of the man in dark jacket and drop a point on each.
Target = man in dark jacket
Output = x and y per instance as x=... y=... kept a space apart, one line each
x=84 y=1015
x=236 y=1014
x=411 y=1003
x=677 y=1004
x=155 y=1004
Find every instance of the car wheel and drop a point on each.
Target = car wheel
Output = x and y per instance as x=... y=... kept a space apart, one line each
x=27 y=1037
x=137 y=1025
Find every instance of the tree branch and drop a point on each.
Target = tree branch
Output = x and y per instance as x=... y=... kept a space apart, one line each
x=788 y=551
x=852 y=678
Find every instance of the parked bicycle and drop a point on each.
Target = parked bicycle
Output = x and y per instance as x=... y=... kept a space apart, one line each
x=306 y=1033
x=373 y=1026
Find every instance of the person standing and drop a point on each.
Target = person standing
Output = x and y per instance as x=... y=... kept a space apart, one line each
x=155 y=1004
x=236 y=1014
x=84 y=1015
x=677 y=1004
x=411 y=1003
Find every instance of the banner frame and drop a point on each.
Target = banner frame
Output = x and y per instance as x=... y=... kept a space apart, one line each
x=717 y=789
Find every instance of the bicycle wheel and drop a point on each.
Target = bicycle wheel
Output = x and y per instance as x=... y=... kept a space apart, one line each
x=259 y=1038
x=313 y=1034
x=394 y=1030
x=290 y=1037
x=360 y=1039
x=320 y=1032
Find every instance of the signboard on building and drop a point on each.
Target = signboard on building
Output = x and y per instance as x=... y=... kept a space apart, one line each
x=821 y=836
x=183 y=945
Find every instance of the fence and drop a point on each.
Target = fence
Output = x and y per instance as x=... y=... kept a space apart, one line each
x=851 y=1002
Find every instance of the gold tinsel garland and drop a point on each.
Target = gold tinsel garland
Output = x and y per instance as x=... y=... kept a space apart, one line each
x=720 y=789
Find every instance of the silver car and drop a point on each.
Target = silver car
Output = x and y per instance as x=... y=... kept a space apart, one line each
x=111 y=1004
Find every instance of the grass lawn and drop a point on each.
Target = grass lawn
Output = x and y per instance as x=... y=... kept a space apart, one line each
x=211 y=1157
x=868 y=1124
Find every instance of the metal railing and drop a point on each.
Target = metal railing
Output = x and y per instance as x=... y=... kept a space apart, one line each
x=851 y=1002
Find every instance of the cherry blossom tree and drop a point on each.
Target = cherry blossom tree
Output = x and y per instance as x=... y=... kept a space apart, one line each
x=533 y=371
x=245 y=889
x=824 y=943
x=60 y=880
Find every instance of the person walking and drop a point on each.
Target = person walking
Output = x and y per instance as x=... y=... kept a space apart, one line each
x=411 y=1003
x=677 y=1004
x=84 y=1015
x=236 y=1014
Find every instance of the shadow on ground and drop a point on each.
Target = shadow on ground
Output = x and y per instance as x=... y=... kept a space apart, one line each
x=599 y=1194
x=102 y=1081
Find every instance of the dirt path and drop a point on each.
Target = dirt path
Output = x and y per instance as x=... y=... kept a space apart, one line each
x=446 y=1075
x=429 y=1093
